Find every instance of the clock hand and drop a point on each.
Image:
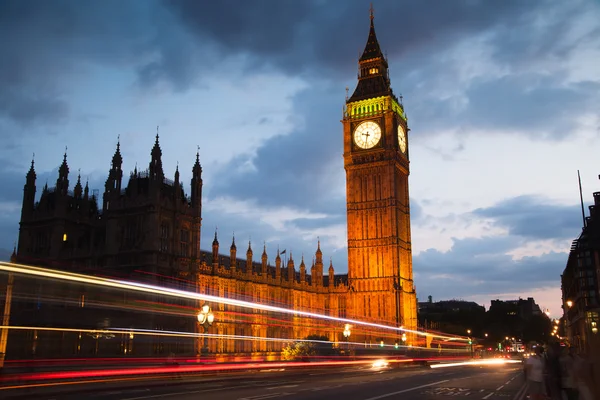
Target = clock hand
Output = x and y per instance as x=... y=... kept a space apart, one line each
x=367 y=136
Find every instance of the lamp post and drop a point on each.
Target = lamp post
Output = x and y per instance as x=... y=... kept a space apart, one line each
x=205 y=318
x=470 y=342
x=347 y=336
x=397 y=288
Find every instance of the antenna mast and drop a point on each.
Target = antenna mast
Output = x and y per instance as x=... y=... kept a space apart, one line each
x=581 y=198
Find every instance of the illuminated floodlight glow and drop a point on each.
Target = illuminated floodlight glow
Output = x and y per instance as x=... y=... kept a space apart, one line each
x=145 y=288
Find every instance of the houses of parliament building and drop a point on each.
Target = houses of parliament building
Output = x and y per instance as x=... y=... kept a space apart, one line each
x=149 y=231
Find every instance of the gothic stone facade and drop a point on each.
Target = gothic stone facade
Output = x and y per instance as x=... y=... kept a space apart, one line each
x=150 y=231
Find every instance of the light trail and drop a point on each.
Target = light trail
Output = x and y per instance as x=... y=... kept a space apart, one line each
x=104 y=373
x=141 y=287
x=152 y=332
x=495 y=361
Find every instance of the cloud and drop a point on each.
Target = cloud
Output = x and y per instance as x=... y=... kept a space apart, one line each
x=482 y=265
x=308 y=35
x=47 y=46
x=533 y=217
x=304 y=167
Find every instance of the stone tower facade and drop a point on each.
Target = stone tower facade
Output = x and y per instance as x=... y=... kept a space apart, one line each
x=376 y=160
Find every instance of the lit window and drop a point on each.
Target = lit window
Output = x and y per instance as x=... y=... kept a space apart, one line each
x=64 y=237
x=373 y=71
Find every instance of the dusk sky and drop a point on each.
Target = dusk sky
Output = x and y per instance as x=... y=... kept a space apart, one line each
x=502 y=99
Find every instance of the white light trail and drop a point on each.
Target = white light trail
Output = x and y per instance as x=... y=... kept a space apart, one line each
x=494 y=361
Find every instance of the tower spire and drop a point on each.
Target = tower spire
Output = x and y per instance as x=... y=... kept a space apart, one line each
x=373 y=77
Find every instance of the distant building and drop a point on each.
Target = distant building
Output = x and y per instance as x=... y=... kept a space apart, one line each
x=521 y=308
x=451 y=316
x=448 y=306
x=580 y=283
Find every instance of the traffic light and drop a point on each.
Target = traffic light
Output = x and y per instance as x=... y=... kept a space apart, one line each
x=470 y=341
x=396 y=345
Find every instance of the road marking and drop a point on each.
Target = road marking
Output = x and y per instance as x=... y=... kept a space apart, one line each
x=501 y=386
x=281 y=387
x=162 y=395
x=265 y=396
x=521 y=393
x=406 y=390
x=488 y=396
x=190 y=392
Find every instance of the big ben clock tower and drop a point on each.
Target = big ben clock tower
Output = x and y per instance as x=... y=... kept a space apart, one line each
x=376 y=160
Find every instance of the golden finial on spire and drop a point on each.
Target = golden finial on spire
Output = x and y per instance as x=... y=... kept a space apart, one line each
x=372 y=10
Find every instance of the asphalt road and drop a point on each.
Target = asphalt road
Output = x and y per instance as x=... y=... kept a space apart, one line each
x=465 y=382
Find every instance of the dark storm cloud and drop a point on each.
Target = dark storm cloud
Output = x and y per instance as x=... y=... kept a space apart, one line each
x=303 y=167
x=45 y=44
x=481 y=266
x=306 y=34
x=532 y=217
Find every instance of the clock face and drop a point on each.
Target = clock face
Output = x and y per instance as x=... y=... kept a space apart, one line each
x=367 y=134
x=401 y=139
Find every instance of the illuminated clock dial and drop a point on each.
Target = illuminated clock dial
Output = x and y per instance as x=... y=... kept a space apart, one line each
x=401 y=139
x=367 y=134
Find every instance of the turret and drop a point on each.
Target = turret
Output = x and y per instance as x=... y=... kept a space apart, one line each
x=78 y=190
x=290 y=269
x=196 y=185
x=62 y=183
x=215 y=251
x=249 y=259
x=317 y=273
x=155 y=168
x=331 y=274
x=86 y=191
x=278 y=266
x=264 y=259
x=112 y=187
x=233 y=254
x=302 y=270
x=29 y=193
x=177 y=186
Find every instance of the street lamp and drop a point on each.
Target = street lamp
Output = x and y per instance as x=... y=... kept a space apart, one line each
x=347 y=336
x=470 y=342
x=569 y=303
x=205 y=318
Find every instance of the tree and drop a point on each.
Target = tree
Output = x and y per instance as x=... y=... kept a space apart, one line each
x=312 y=345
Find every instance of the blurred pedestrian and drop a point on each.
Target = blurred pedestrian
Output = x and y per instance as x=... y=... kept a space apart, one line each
x=553 y=371
x=534 y=372
x=569 y=362
x=583 y=377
